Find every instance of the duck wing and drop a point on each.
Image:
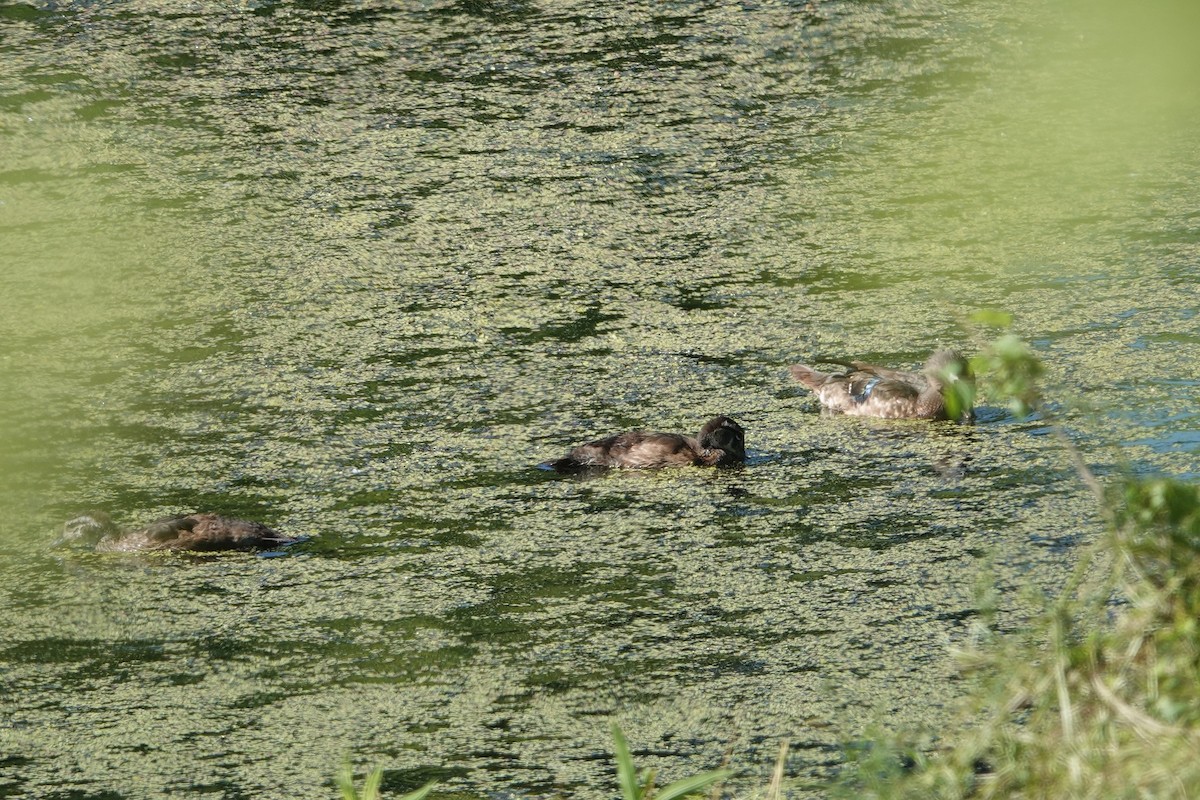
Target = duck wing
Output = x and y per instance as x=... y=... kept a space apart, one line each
x=900 y=375
x=863 y=387
x=650 y=450
x=168 y=530
x=865 y=393
x=814 y=379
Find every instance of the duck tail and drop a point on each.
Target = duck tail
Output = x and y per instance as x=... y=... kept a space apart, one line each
x=808 y=376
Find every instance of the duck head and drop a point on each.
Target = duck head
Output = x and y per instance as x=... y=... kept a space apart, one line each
x=722 y=433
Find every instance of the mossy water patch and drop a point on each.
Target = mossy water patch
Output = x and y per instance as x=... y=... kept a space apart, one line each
x=363 y=270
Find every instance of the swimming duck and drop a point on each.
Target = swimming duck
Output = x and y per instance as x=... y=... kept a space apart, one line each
x=721 y=442
x=865 y=390
x=185 y=532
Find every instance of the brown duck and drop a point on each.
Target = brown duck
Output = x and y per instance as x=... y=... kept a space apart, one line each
x=201 y=532
x=865 y=390
x=721 y=442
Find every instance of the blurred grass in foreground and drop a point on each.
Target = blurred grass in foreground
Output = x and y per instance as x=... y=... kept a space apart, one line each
x=1099 y=697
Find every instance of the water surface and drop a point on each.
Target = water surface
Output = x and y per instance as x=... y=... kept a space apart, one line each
x=353 y=269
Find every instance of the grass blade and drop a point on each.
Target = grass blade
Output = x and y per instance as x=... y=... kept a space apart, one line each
x=774 y=791
x=371 y=785
x=692 y=785
x=626 y=774
x=345 y=781
x=419 y=794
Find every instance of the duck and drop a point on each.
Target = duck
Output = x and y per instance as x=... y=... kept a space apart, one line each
x=721 y=442
x=197 y=532
x=866 y=390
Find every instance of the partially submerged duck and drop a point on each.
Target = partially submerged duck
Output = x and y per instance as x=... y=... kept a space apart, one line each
x=721 y=442
x=199 y=532
x=866 y=390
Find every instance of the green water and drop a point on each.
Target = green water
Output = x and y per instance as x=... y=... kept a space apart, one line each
x=353 y=269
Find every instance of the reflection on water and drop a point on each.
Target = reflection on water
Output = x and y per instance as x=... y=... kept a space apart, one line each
x=354 y=270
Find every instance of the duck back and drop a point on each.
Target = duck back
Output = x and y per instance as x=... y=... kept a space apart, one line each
x=204 y=532
x=198 y=532
x=721 y=441
x=633 y=450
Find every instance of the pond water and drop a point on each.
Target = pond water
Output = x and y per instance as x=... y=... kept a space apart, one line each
x=353 y=269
